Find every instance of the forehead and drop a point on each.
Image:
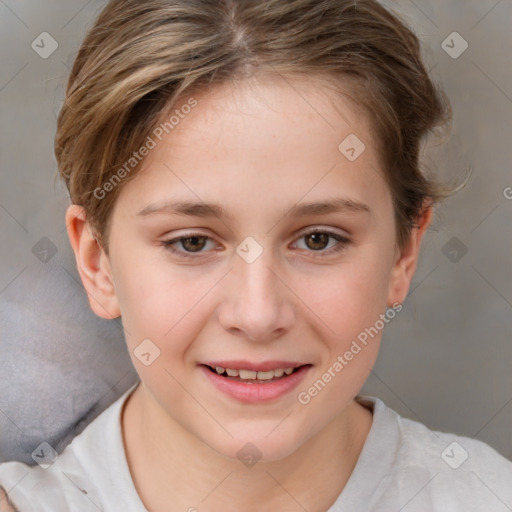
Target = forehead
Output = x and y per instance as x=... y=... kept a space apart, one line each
x=261 y=142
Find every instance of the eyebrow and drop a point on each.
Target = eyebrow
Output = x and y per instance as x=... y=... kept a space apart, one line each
x=206 y=210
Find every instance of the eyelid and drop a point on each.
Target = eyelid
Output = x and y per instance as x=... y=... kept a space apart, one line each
x=342 y=239
x=169 y=244
x=321 y=229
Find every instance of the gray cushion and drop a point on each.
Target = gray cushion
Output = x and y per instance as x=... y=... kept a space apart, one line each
x=54 y=344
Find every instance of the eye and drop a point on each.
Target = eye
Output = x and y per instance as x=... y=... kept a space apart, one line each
x=323 y=241
x=189 y=244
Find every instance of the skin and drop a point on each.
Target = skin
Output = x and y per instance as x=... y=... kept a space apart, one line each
x=257 y=149
x=6 y=504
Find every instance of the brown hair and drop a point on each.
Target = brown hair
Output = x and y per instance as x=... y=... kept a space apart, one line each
x=141 y=58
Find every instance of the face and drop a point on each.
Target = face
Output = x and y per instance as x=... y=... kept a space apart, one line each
x=251 y=241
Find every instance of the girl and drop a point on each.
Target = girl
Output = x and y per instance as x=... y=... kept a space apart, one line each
x=247 y=197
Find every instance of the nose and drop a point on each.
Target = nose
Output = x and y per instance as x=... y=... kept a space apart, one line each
x=260 y=307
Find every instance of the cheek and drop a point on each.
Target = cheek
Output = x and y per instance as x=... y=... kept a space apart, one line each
x=349 y=300
x=164 y=309
x=158 y=301
x=348 y=297
x=350 y=303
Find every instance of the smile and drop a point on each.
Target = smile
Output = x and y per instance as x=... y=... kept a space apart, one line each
x=255 y=383
x=252 y=375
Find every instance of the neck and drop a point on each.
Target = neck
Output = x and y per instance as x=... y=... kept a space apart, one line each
x=171 y=466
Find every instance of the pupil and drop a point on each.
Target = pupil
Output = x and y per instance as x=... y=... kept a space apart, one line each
x=320 y=241
x=197 y=243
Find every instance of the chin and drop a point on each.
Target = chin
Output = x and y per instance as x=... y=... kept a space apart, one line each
x=256 y=445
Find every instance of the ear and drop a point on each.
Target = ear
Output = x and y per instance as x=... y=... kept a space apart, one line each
x=92 y=263
x=407 y=259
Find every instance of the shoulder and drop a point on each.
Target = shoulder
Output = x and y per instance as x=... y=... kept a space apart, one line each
x=455 y=452
x=80 y=478
x=36 y=489
x=461 y=469
x=439 y=469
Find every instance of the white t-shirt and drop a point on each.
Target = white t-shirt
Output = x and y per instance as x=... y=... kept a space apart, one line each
x=403 y=466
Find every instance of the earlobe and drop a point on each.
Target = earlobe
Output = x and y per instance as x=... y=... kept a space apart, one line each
x=92 y=263
x=407 y=259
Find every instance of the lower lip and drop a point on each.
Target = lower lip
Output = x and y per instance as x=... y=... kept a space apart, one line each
x=256 y=392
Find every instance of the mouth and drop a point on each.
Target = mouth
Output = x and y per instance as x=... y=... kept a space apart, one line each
x=252 y=383
x=253 y=376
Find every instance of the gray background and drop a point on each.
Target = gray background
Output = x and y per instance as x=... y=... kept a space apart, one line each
x=445 y=360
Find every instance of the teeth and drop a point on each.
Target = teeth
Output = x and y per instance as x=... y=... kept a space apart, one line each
x=253 y=375
x=265 y=375
x=247 y=374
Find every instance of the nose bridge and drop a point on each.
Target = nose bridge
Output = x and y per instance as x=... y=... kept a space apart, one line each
x=260 y=306
x=253 y=260
x=257 y=281
x=257 y=291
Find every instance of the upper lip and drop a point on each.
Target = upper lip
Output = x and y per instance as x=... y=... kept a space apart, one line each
x=264 y=366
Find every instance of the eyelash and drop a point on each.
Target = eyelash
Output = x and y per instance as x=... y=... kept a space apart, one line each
x=342 y=243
